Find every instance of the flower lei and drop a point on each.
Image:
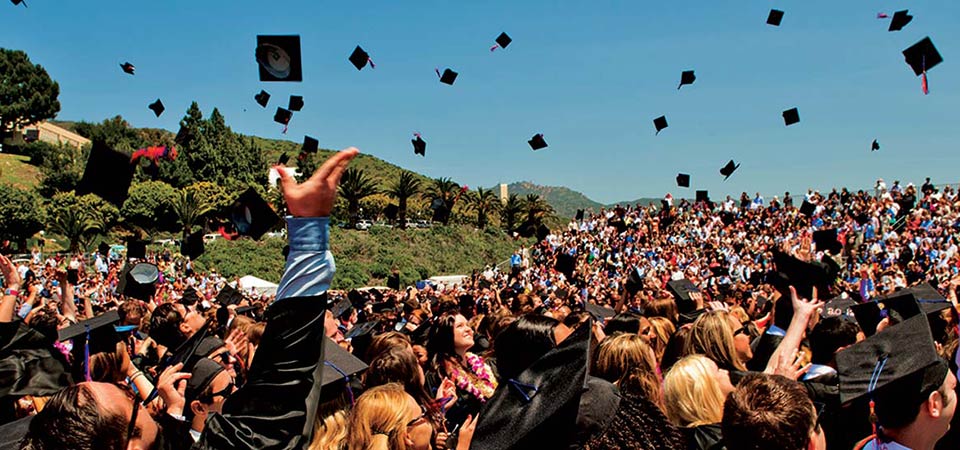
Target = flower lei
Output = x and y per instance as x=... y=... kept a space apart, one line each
x=478 y=381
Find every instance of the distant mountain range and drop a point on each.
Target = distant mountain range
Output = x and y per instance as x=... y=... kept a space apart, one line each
x=566 y=201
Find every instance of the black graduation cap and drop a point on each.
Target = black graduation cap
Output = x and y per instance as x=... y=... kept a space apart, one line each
x=565 y=264
x=190 y=297
x=128 y=68
x=282 y=116
x=99 y=324
x=393 y=281
x=791 y=116
x=807 y=208
x=390 y=211
x=360 y=58
x=687 y=77
x=278 y=58
x=728 y=169
x=542 y=232
x=502 y=41
x=341 y=306
x=283 y=159
x=296 y=103
x=775 y=17
x=108 y=174
x=251 y=215
x=897 y=369
x=875 y=146
x=157 y=107
x=262 y=98
x=448 y=76
x=839 y=307
x=419 y=145
x=827 y=240
x=229 y=296
x=683 y=180
x=868 y=316
x=192 y=246
x=201 y=375
x=362 y=329
x=579 y=215
x=703 y=196
x=18 y=2
x=634 y=281
x=527 y=411
x=600 y=313
x=537 y=142
x=136 y=248
x=922 y=56
x=900 y=20
x=681 y=290
x=310 y=145
x=139 y=281
x=103 y=249
x=338 y=363
x=250 y=310
x=802 y=275
x=660 y=123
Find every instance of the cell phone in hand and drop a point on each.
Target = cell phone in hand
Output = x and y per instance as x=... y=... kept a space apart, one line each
x=73 y=276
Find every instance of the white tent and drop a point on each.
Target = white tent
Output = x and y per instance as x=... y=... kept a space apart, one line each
x=251 y=283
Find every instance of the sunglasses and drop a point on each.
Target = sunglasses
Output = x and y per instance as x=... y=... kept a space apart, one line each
x=221 y=393
x=415 y=421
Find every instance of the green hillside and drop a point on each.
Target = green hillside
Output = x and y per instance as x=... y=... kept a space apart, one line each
x=565 y=201
x=16 y=170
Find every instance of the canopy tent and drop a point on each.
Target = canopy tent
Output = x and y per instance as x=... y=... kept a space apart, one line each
x=251 y=283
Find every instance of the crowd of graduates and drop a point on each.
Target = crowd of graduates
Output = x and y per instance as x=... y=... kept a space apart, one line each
x=823 y=322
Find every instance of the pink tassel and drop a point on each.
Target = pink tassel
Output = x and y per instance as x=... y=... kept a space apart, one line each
x=494 y=47
x=882 y=15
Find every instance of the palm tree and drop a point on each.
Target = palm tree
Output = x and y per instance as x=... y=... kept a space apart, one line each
x=355 y=185
x=77 y=225
x=406 y=186
x=484 y=202
x=444 y=190
x=190 y=209
x=511 y=211
x=537 y=208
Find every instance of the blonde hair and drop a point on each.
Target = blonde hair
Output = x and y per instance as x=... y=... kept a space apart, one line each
x=329 y=432
x=712 y=337
x=692 y=394
x=629 y=362
x=379 y=413
x=664 y=330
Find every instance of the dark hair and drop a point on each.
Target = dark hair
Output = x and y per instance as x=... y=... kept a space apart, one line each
x=627 y=322
x=72 y=419
x=46 y=323
x=383 y=343
x=132 y=310
x=768 y=412
x=830 y=335
x=522 y=343
x=165 y=326
x=638 y=424
x=397 y=365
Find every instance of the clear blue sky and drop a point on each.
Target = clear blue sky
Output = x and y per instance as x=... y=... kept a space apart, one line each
x=591 y=76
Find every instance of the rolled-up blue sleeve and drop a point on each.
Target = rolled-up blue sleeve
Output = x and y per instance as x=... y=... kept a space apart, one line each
x=310 y=266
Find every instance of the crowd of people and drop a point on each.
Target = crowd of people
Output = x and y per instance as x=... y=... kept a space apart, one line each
x=828 y=322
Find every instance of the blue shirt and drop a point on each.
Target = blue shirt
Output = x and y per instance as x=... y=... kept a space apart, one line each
x=310 y=266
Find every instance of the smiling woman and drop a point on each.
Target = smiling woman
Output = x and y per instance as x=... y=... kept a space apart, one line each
x=473 y=376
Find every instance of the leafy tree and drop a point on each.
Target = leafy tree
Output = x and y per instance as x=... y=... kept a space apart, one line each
x=61 y=167
x=21 y=214
x=148 y=206
x=114 y=132
x=73 y=219
x=510 y=212
x=27 y=94
x=407 y=186
x=446 y=191
x=355 y=185
x=537 y=208
x=189 y=205
x=484 y=202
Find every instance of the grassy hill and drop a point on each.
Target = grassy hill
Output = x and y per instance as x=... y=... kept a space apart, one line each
x=566 y=201
x=16 y=170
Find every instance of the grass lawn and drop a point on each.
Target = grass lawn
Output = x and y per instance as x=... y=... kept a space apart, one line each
x=15 y=169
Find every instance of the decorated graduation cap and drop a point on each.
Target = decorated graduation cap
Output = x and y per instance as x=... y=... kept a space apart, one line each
x=840 y=306
x=278 y=58
x=900 y=20
x=157 y=107
x=683 y=180
x=192 y=246
x=108 y=174
x=360 y=58
x=660 y=123
x=537 y=142
x=296 y=103
x=895 y=370
x=250 y=215
x=310 y=145
x=775 y=17
x=448 y=76
x=728 y=169
x=419 y=145
x=791 y=116
x=92 y=336
x=922 y=57
x=826 y=240
x=686 y=77
x=502 y=41
x=538 y=408
x=128 y=68
x=681 y=290
x=262 y=98
x=139 y=281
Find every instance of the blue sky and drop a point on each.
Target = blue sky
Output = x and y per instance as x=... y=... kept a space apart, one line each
x=590 y=76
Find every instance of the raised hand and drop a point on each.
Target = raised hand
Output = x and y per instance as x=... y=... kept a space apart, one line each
x=11 y=277
x=315 y=197
x=171 y=389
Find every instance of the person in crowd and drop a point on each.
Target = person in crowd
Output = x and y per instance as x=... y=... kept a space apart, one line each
x=450 y=339
x=770 y=412
x=694 y=392
x=627 y=361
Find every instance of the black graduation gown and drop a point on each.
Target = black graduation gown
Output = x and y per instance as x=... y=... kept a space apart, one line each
x=275 y=409
x=29 y=365
x=704 y=437
x=763 y=349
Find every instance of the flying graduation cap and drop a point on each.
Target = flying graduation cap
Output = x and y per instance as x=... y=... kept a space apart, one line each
x=728 y=169
x=360 y=58
x=139 y=281
x=448 y=76
x=900 y=20
x=310 y=145
x=18 y=2
x=250 y=215
x=128 y=68
x=791 y=116
x=683 y=180
x=419 y=145
x=660 y=123
x=687 y=77
x=775 y=17
x=296 y=103
x=108 y=174
x=278 y=58
x=875 y=146
x=192 y=247
x=283 y=116
x=502 y=41
x=262 y=98
x=157 y=107
x=283 y=159
x=537 y=142
x=922 y=57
